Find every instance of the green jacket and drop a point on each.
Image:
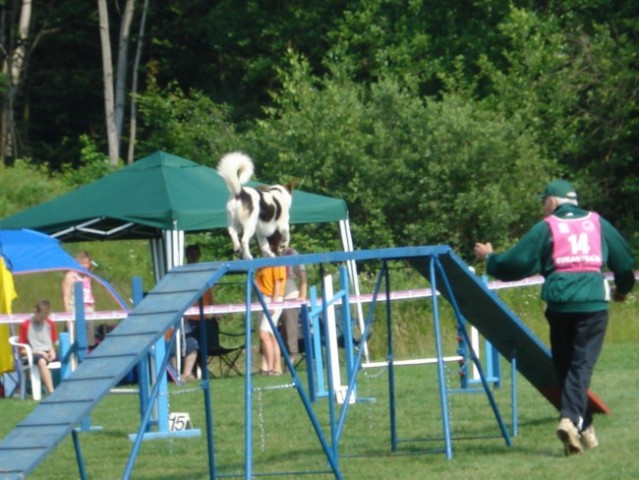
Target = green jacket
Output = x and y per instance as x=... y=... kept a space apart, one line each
x=566 y=292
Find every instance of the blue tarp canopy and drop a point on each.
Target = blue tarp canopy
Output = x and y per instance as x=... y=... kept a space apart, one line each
x=27 y=251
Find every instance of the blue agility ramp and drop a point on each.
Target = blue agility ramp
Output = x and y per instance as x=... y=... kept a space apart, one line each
x=483 y=309
x=61 y=412
x=132 y=341
x=127 y=346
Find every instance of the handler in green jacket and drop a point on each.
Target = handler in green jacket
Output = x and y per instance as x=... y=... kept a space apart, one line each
x=570 y=247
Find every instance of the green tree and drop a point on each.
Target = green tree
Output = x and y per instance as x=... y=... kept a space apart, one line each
x=416 y=40
x=230 y=50
x=186 y=124
x=16 y=43
x=62 y=97
x=25 y=185
x=412 y=170
x=395 y=108
x=576 y=88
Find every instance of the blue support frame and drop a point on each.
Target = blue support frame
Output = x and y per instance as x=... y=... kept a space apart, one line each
x=435 y=268
x=441 y=373
x=330 y=450
x=316 y=369
x=152 y=371
x=492 y=368
x=81 y=348
x=315 y=346
x=181 y=287
x=491 y=356
x=474 y=357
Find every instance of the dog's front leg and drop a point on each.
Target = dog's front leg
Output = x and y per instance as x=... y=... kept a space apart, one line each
x=246 y=250
x=264 y=246
x=234 y=239
x=286 y=238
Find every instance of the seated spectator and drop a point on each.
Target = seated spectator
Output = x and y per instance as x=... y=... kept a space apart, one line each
x=191 y=341
x=191 y=347
x=41 y=334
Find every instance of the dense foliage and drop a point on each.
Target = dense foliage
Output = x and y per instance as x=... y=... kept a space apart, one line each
x=437 y=122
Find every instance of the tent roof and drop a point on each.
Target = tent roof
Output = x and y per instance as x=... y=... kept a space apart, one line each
x=26 y=251
x=158 y=192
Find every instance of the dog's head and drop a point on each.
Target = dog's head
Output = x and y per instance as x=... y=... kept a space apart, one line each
x=289 y=187
x=286 y=186
x=292 y=185
x=275 y=242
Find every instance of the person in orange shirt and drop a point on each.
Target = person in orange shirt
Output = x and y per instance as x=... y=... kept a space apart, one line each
x=271 y=282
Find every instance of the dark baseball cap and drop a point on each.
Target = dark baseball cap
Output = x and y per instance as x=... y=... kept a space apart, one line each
x=559 y=188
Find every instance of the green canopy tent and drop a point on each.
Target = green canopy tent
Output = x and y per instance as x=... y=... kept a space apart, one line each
x=158 y=197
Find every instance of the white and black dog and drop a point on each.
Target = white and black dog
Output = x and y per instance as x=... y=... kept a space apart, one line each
x=260 y=212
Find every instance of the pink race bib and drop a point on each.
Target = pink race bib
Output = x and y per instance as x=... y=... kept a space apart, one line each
x=576 y=243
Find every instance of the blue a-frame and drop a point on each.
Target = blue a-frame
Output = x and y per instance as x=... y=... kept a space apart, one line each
x=55 y=418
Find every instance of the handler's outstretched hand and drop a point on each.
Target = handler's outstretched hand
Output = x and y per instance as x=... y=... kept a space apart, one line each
x=482 y=250
x=616 y=296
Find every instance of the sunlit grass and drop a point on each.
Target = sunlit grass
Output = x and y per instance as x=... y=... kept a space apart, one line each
x=283 y=440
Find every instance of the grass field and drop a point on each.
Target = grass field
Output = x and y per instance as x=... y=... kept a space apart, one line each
x=284 y=443
x=283 y=440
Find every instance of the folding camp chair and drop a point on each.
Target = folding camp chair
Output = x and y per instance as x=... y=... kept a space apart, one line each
x=24 y=365
x=227 y=357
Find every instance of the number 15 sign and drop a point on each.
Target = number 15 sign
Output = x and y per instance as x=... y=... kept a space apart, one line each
x=179 y=421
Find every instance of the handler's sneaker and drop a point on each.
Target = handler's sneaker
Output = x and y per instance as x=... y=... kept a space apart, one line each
x=569 y=436
x=588 y=437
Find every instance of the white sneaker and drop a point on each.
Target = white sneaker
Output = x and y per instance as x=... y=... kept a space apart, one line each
x=569 y=436
x=588 y=437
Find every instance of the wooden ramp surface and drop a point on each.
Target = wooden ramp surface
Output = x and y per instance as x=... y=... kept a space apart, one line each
x=62 y=411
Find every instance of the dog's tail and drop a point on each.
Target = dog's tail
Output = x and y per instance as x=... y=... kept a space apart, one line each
x=236 y=169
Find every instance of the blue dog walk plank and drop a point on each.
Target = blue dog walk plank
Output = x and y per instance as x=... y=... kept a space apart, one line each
x=22 y=445
x=56 y=416
x=143 y=324
x=51 y=414
x=22 y=437
x=164 y=302
x=71 y=395
x=104 y=367
x=196 y=277
x=482 y=308
x=20 y=460
x=126 y=345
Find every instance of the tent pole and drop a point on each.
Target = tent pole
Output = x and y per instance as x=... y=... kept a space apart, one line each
x=347 y=243
x=157 y=257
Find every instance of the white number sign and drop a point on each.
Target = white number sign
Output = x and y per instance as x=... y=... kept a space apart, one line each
x=179 y=421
